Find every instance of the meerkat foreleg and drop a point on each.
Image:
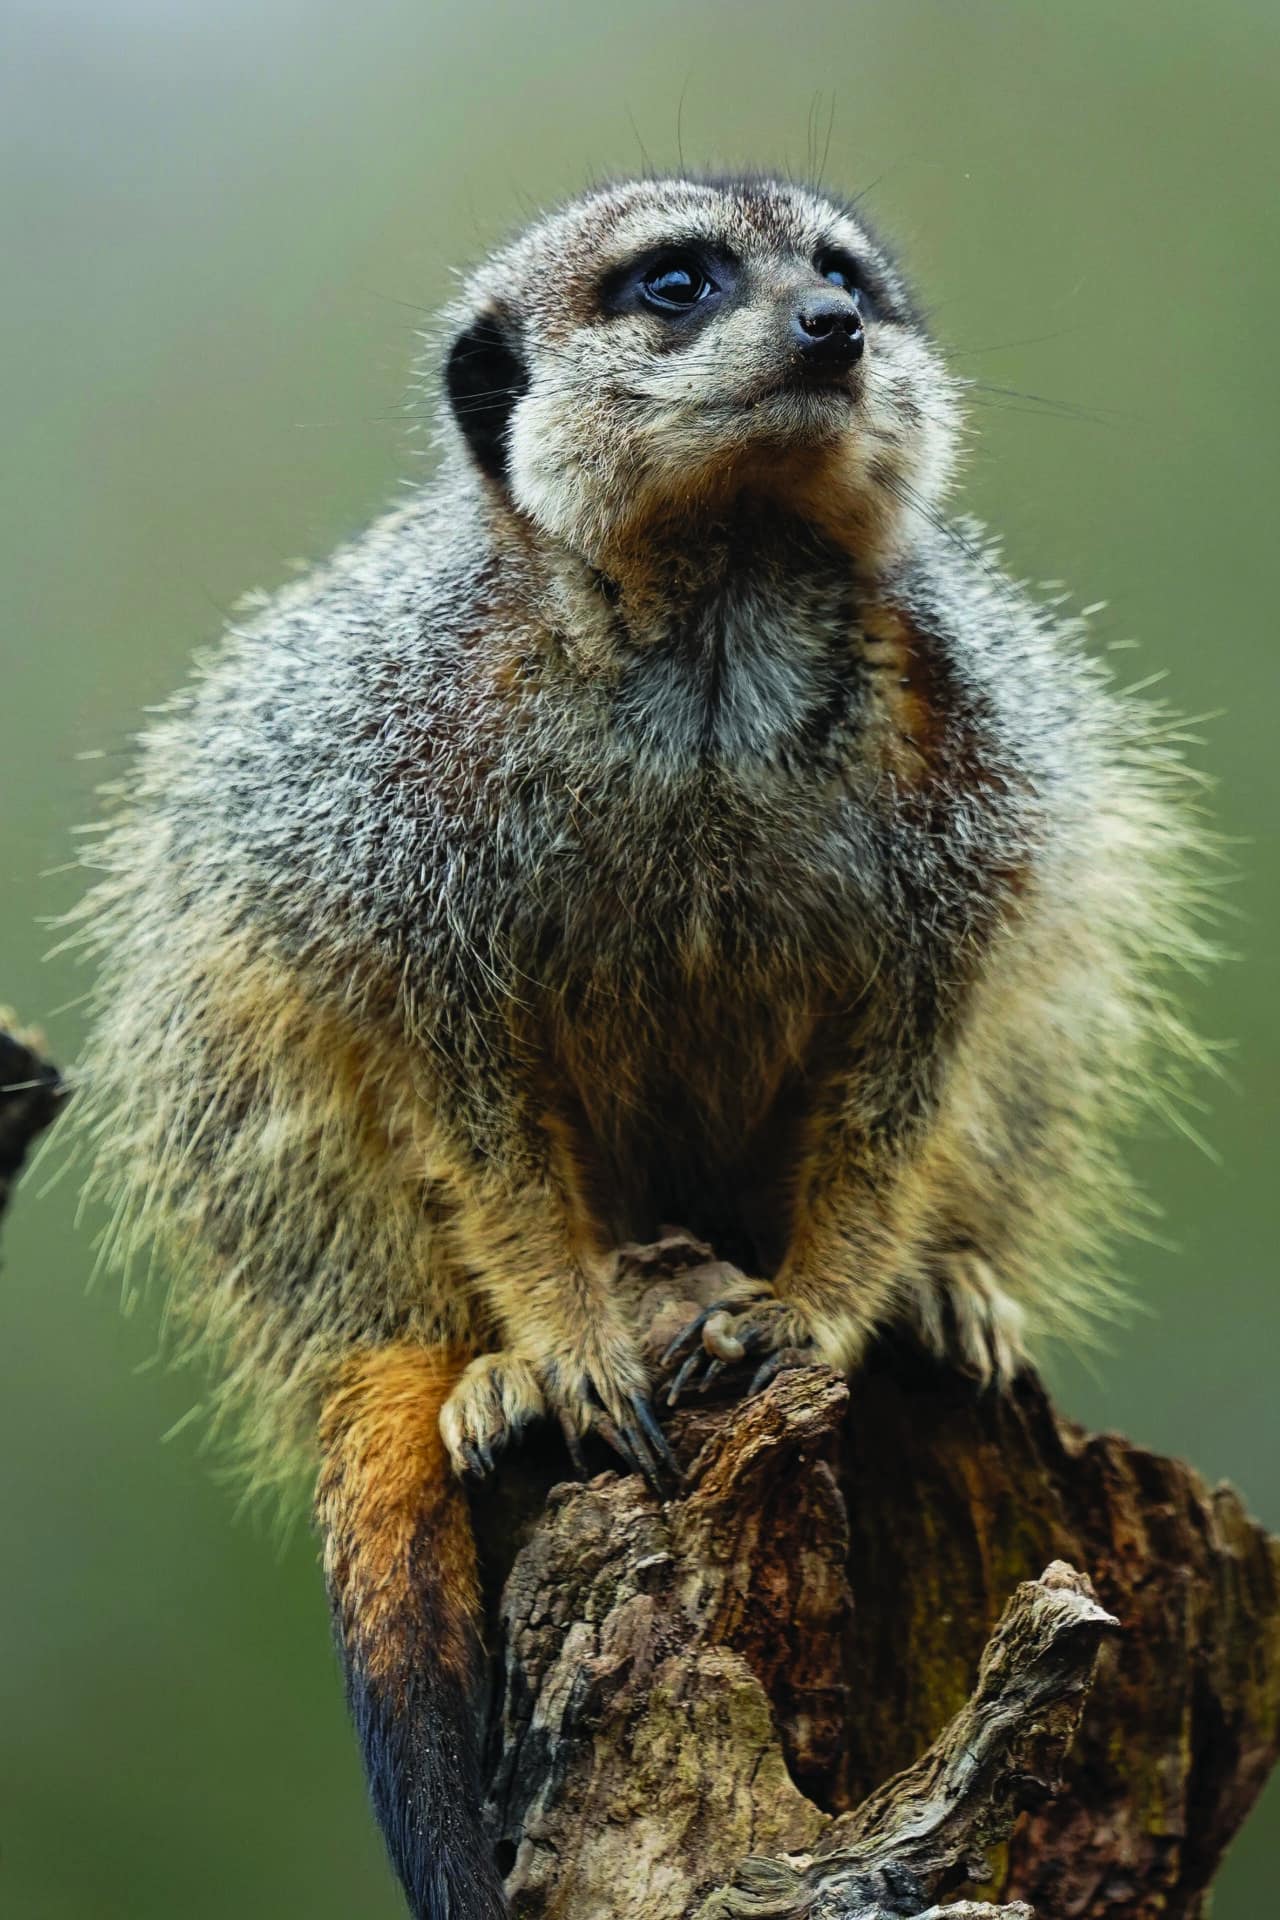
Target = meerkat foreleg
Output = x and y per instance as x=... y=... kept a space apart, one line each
x=866 y=1252
x=836 y=1285
x=566 y=1336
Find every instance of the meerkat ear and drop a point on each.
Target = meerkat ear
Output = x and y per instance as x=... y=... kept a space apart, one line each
x=484 y=376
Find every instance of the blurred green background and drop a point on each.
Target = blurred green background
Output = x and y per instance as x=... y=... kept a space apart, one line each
x=221 y=227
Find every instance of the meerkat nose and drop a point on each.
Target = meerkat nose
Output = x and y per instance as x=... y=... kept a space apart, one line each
x=827 y=331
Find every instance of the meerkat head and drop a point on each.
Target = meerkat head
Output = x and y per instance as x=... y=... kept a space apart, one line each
x=660 y=349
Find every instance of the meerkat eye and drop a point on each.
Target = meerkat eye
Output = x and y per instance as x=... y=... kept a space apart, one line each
x=840 y=270
x=684 y=284
x=676 y=280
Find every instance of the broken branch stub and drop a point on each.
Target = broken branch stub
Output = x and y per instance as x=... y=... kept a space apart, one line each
x=930 y=1827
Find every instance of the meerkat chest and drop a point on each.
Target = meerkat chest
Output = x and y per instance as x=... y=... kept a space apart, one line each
x=756 y=675
x=692 y=937
x=725 y=818
x=723 y=850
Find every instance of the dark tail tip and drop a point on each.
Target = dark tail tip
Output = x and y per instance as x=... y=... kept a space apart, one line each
x=419 y=1755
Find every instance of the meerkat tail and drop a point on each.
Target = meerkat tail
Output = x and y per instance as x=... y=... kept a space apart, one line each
x=401 y=1573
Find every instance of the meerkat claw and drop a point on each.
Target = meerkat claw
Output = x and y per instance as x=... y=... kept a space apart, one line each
x=780 y=1362
x=712 y=1335
x=657 y=1439
x=689 y=1333
x=723 y=1336
x=684 y=1376
x=638 y=1440
x=712 y=1374
x=717 y=1339
x=629 y=1444
x=573 y=1443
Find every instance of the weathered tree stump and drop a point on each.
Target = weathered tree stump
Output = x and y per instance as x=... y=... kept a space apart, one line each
x=733 y=1676
x=768 y=1698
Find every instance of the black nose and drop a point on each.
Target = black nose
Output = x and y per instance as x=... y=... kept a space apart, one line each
x=826 y=329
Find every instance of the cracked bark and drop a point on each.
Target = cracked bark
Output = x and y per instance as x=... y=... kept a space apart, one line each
x=715 y=1708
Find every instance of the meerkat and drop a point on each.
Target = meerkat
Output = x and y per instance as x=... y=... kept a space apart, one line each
x=666 y=815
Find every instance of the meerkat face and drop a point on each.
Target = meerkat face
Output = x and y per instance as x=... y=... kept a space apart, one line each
x=662 y=348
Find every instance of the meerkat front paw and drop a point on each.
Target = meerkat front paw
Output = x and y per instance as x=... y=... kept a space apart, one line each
x=966 y=1317
x=601 y=1386
x=732 y=1331
x=496 y=1398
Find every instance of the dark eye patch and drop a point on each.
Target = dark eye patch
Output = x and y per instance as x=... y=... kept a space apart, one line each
x=682 y=284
